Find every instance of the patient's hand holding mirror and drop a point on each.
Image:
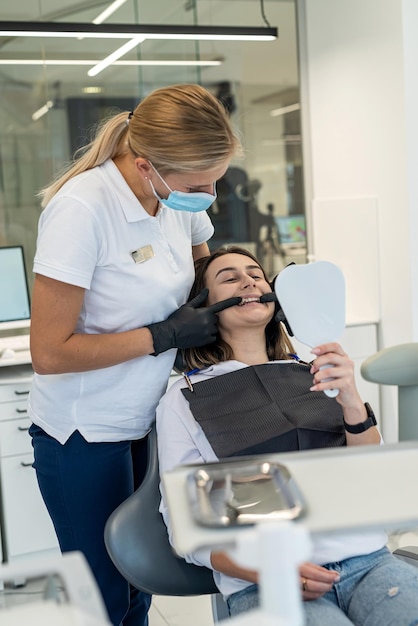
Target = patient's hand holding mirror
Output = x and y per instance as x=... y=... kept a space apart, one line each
x=312 y=298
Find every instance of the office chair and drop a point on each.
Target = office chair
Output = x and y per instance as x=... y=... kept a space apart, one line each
x=136 y=539
x=398 y=365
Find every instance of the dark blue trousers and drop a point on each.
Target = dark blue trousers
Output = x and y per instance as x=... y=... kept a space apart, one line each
x=82 y=484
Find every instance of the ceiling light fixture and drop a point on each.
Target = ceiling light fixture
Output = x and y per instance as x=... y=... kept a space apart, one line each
x=126 y=62
x=114 y=6
x=284 y=110
x=43 y=110
x=92 y=89
x=130 y=31
x=99 y=67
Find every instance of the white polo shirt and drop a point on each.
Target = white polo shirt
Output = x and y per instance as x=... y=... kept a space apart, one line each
x=87 y=235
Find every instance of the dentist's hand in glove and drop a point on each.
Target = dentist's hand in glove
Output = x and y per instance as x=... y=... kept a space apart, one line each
x=190 y=326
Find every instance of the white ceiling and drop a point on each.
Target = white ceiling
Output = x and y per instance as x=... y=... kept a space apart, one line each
x=268 y=68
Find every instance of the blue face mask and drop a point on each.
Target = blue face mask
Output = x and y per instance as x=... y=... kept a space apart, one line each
x=194 y=202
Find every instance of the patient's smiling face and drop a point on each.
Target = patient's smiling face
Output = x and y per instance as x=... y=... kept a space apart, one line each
x=238 y=275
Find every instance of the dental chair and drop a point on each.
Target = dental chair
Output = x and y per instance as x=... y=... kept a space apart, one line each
x=136 y=539
x=398 y=365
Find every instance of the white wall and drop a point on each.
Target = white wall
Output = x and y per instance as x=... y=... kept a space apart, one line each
x=354 y=97
x=410 y=46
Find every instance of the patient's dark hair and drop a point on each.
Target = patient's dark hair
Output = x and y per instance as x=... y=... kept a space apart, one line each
x=278 y=343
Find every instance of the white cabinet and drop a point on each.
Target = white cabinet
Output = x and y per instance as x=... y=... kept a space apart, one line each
x=25 y=524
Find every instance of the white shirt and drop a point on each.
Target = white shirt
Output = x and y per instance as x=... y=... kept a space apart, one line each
x=181 y=441
x=87 y=234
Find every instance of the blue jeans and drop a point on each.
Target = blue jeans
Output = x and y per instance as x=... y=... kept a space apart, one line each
x=374 y=590
x=82 y=484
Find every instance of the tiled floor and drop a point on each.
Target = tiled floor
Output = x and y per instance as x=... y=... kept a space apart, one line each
x=193 y=611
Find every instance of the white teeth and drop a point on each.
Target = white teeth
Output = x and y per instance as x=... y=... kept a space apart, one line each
x=247 y=300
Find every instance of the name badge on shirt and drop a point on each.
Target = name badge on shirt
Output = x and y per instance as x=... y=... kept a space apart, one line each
x=143 y=254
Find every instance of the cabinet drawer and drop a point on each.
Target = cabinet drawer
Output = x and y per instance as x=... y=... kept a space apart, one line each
x=14 y=437
x=27 y=525
x=14 y=391
x=13 y=410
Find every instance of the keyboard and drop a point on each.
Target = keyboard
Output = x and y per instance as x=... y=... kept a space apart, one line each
x=17 y=343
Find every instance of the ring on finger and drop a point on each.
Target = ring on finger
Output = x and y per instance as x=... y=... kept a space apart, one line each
x=304 y=584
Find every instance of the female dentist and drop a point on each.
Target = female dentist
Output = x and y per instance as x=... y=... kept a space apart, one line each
x=117 y=239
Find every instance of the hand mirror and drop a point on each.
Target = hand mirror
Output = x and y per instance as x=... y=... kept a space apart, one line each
x=312 y=298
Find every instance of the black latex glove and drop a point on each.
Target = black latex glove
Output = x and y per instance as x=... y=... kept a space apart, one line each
x=189 y=326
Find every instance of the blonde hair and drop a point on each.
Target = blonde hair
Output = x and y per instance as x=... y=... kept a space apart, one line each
x=181 y=128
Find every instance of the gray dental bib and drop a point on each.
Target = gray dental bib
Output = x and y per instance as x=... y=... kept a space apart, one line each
x=265 y=409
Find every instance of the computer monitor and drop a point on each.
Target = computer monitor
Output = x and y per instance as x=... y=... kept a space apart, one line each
x=291 y=229
x=14 y=290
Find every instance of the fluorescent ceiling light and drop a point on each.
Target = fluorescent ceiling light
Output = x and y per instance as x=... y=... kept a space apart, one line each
x=44 y=109
x=78 y=30
x=284 y=110
x=130 y=62
x=92 y=89
x=99 y=67
x=114 y=6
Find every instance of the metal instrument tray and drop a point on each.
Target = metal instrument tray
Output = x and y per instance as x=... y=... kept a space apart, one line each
x=242 y=492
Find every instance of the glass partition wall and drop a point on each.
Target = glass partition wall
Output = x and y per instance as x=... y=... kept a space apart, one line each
x=47 y=110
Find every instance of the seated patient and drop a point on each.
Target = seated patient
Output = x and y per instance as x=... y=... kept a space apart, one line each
x=250 y=395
